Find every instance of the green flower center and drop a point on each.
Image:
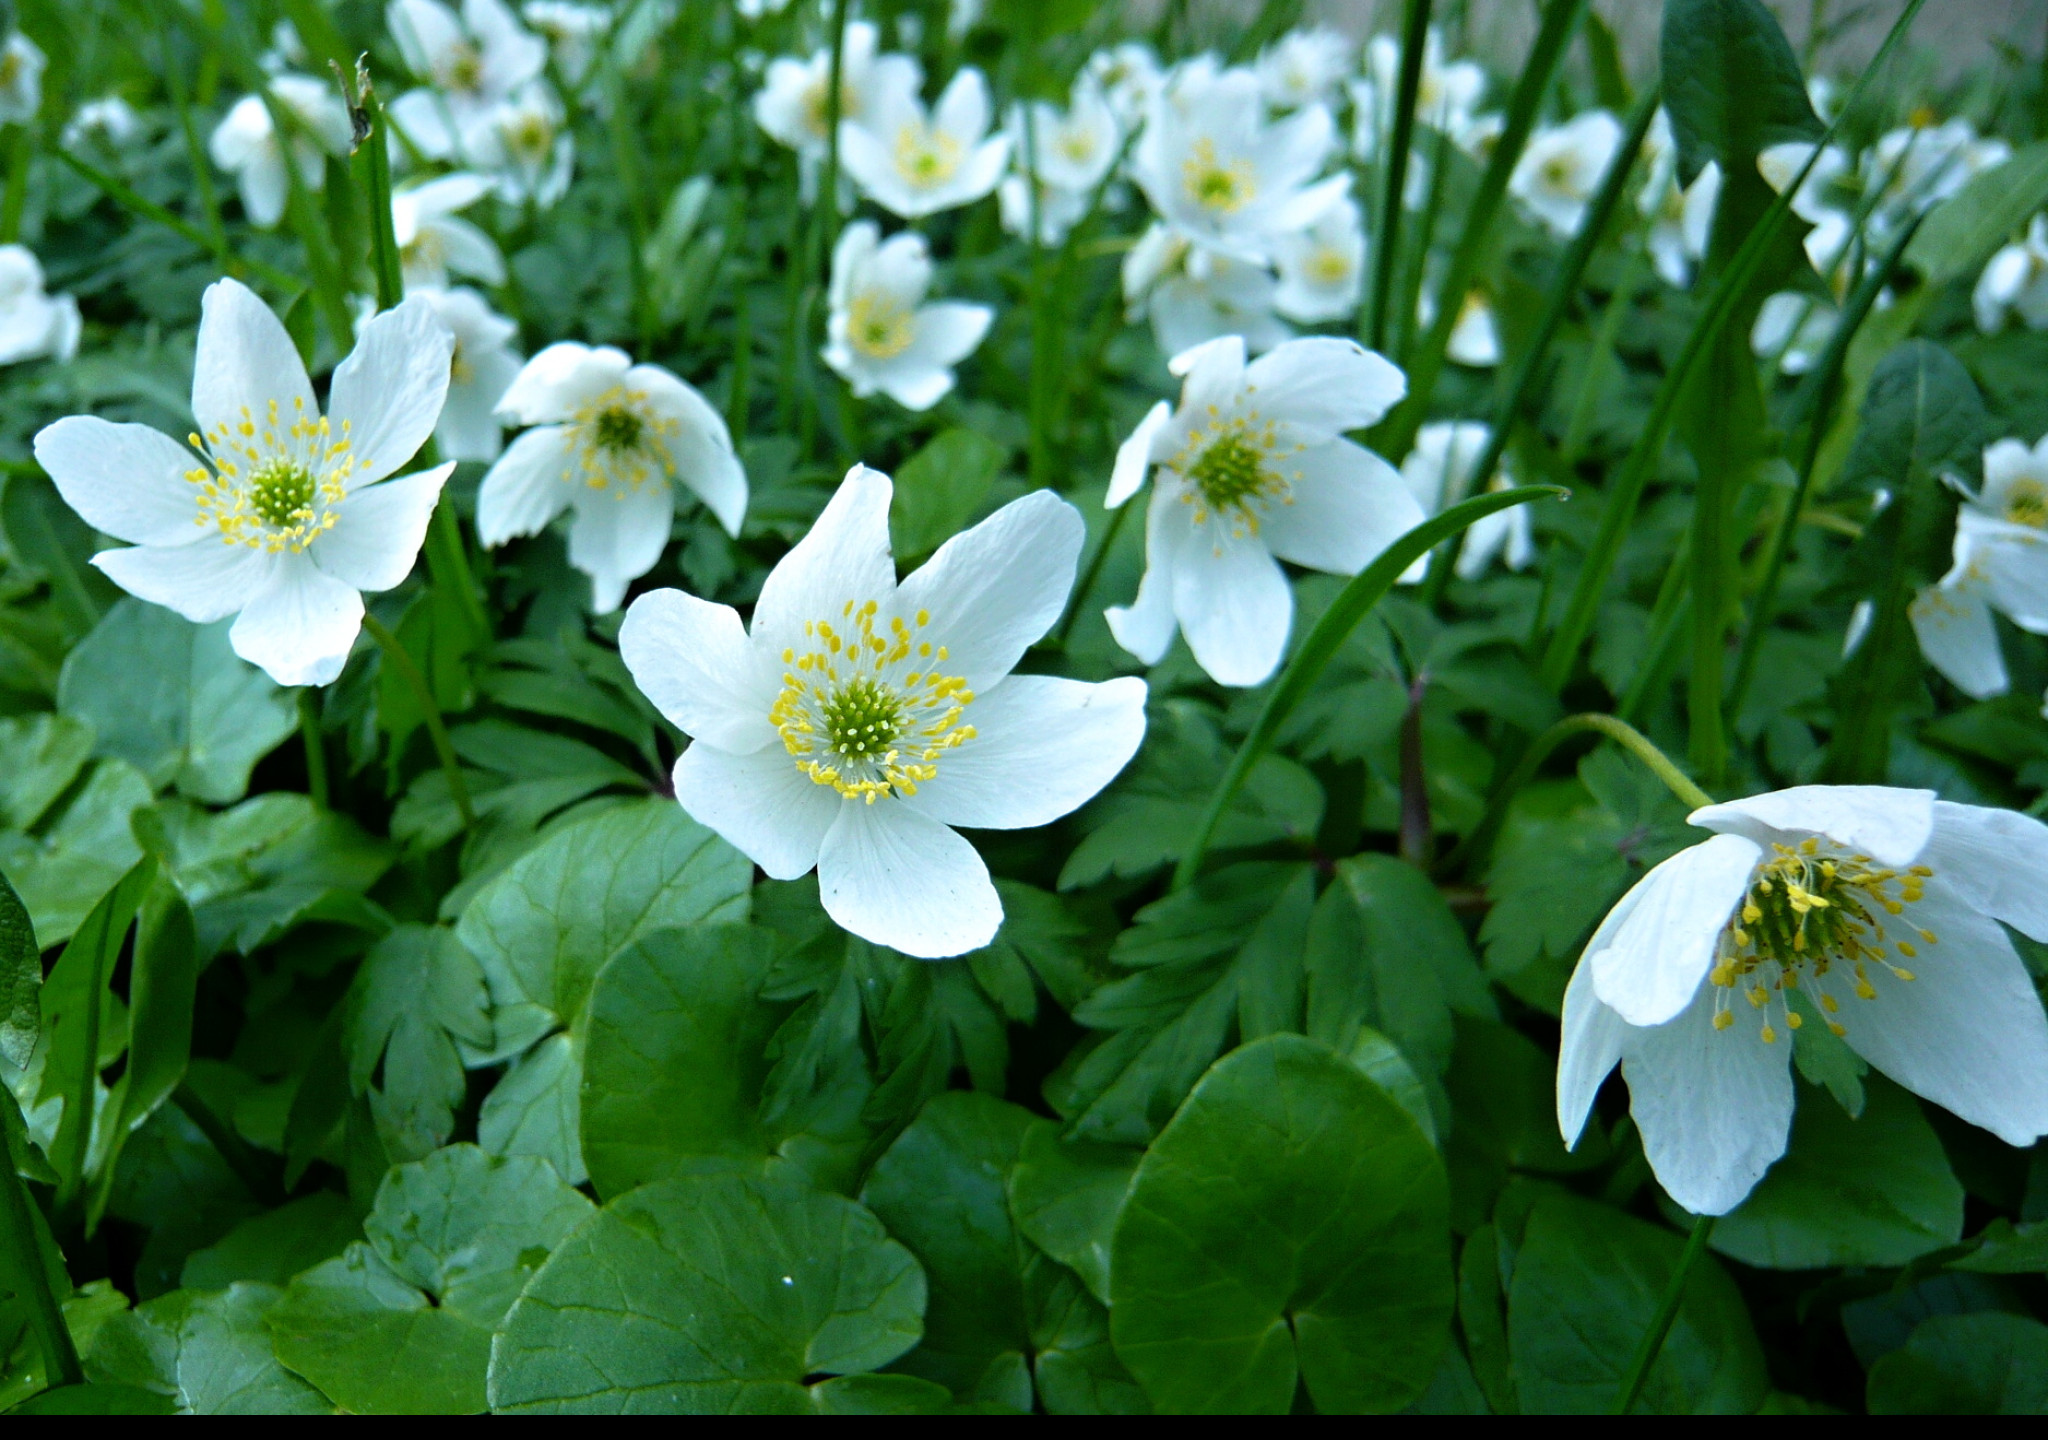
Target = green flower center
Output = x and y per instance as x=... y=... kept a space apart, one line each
x=862 y=719
x=281 y=493
x=1231 y=472
x=617 y=430
x=1215 y=186
x=1810 y=916
x=2026 y=503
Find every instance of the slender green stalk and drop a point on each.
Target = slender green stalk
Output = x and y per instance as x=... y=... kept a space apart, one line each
x=1479 y=839
x=1563 y=290
x=1408 y=301
x=373 y=166
x=1628 y=488
x=197 y=158
x=260 y=1173
x=20 y=146
x=1397 y=432
x=1352 y=605
x=316 y=750
x=1667 y=1311
x=430 y=710
x=1594 y=382
x=1042 y=335
x=1092 y=572
x=20 y=1254
x=1394 y=173
x=122 y=195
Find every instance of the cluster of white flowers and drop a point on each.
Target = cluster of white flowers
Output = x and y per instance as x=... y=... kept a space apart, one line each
x=262 y=155
x=33 y=325
x=2001 y=564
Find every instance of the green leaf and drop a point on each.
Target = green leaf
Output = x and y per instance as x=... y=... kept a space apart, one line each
x=1291 y=1221
x=208 y=1352
x=174 y=700
x=276 y=1245
x=1989 y=1364
x=43 y=755
x=708 y=1295
x=21 y=980
x=1504 y=1118
x=1732 y=85
x=417 y=1000
x=1587 y=1283
x=1066 y=1195
x=96 y=1400
x=74 y=859
x=1960 y=233
x=940 y=490
x=545 y=927
x=533 y=1110
x=403 y=1323
x=675 y=1056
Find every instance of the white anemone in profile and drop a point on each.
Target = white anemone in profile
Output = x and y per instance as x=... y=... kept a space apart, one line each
x=1252 y=469
x=1446 y=98
x=279 y=518
x=1912 y=169
x=1561 y=168
x=435 y=242
x=526 y=147
x=109 y=121
x=2001 y=563
x=1130 y=77
x=1222 y=175
x=469 y=63
x=1438 y=472
x=21 y=79
x=881 y=334
x=793 y=107
x=1302 y=67
x=1870 y=911
x=246 y=144
x=2015 y=282
x=1192 y=295
x=33 y=325
x=1322 y=266
x=610 y=438
x=915 y=163
x=480 y=371
x=857 y=720
x=1681 y=216
x=1075 y=146
x=573 y=31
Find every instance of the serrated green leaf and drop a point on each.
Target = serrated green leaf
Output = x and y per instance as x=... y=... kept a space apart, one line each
x=1989 y=1364
x=209 y=1353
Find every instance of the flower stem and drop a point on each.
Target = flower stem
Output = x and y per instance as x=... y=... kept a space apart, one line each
x=1414 y=30
x=316 y=751
x=20 y=1253
x=1667 y=1311
x=430 y=710
x=1093 y=572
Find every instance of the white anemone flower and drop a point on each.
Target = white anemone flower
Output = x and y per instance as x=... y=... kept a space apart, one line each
x=1217 y=171
x=109 y=121
x=246 y=144
x=33 y=325
x=573 y=32
x=1914 y=168
x=1303 y=67
x=1193 y=296
x=526 y=147
x=2015 y=283
x=1475 y=335
x=1438 y=472
x=1874 y=912
x=1130 y=77
x=1780 y=164
x=1561 y=168
x=1681 y=216
x=1252 y=469
x=480 y=371
x=21 y=79
x=2001 y=563
x=881 y=334
x=609 y=437
x=792 y=104
x=858 y=720
x=1075 y=146
x=1446 y=98
x=913 y=163
x=469 y=63
x=1322 y=267
x=434 y=242
x=279 y=518
x=1794 y=327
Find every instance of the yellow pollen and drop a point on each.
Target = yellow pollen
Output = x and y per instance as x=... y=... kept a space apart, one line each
x=271 y=483
x=2026 y=503
x=879 y=325
x=1229 y=464
x=1215 y=186
x=926 y=156
x=618 y=443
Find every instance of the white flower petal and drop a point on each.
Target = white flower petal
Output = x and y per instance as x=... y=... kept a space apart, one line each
x=561 y=380
x=245 y=362
x=692 y=659
x=1996 y=859
x=617 y=536
x=844 y=557
x=893 y=877
x=761 y=804
x=1134 y=456
x=127 y=481
x=526 y=488
x=1347 y=506
x=1233 y=603
x=948 y=331
x=204 y=581
x=265 y=185
x=1714 y=1106
x=378 y=530
x=1954 y=626
x=299 y=628
x=1042 y=748
x=2018 y=572
x=1967 y=1032
x=1147 y=626
x=1323 y=386
x=1888 y=824
x=388 y=393
x=995 y=589
x=1591 y=1047
x=1658 y=957
x=700 y=446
